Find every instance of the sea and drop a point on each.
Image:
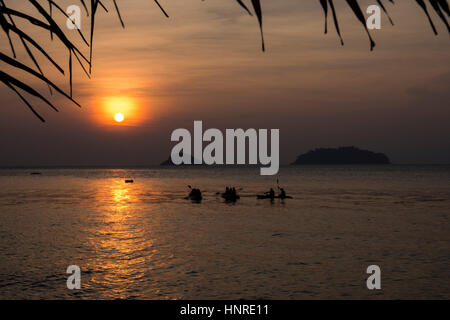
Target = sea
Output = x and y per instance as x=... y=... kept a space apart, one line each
x=144 y=240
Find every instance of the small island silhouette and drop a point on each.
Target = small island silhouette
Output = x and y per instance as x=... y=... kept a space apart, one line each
x=169 y=161
x=341 y=155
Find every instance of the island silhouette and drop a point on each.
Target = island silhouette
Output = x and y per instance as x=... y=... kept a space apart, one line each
x=169 y=161
x=341 y=155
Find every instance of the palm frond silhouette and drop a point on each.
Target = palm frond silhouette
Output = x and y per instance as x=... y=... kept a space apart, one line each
x=44 y=21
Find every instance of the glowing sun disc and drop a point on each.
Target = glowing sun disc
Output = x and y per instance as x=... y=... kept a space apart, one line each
x=119 y=117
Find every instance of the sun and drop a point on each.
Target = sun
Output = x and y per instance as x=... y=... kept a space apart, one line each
x=120 y=111
x=119 y=117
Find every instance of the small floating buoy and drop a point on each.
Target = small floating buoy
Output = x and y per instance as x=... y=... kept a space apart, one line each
x=129 y=181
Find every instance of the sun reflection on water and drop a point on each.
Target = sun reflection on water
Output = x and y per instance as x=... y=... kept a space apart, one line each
x=120 y=241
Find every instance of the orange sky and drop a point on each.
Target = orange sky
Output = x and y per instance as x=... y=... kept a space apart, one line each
x=205 y=63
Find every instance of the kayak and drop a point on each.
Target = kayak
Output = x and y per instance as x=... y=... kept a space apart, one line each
x=265 y=196
x=229 y=197
x=194 y=198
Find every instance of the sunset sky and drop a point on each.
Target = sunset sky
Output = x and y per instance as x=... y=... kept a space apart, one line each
x=205 y=63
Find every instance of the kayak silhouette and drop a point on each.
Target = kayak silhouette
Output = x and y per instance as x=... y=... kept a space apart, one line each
x=230 y=197
x=266 y=196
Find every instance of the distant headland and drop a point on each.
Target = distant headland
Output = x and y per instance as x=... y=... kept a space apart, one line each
x=341 y=155
x=169 y=161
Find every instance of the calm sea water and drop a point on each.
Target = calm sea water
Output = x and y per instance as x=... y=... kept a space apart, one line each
x=143 y=240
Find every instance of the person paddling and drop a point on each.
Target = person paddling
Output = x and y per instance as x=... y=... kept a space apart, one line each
x=195 y=194
x=271 y=193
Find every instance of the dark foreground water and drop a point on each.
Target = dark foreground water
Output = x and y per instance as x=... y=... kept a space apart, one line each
x=143 y=240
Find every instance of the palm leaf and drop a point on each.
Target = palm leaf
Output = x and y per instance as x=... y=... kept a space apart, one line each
x=44 y=21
